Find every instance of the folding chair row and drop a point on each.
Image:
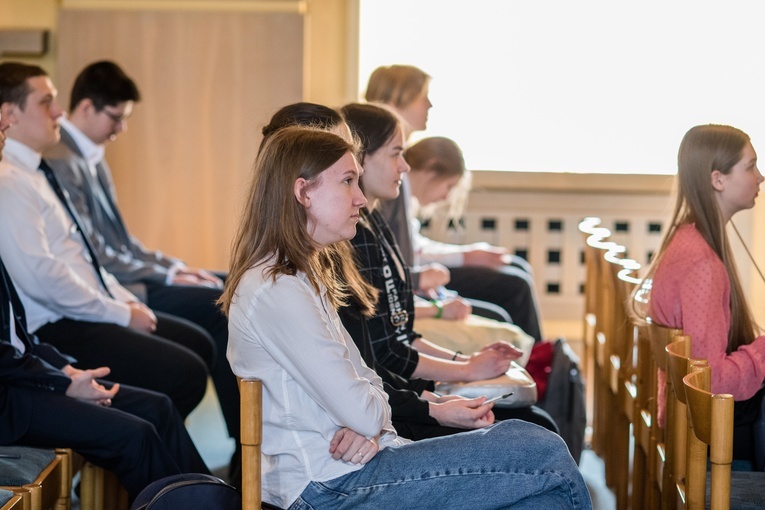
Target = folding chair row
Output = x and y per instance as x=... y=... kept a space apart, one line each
x=633 y=373
x=611 y=335
x=43 y=480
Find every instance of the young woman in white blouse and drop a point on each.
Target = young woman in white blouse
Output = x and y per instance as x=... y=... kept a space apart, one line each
x=327 y=437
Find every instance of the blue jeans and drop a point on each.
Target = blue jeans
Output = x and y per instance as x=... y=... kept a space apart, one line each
x=512 y=464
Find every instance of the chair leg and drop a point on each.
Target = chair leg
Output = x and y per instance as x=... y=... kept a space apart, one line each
x=639 y=486
x=65 y=492
x=115 y=496
x=621 y=461
x=91 y=487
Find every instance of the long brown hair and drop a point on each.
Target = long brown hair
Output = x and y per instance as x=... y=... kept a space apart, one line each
x=704 y=149
x=274 y=223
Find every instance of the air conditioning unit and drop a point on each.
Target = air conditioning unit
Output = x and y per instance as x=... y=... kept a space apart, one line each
x=23 y=42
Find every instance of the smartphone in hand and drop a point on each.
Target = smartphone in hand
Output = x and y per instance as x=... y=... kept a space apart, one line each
x=497 y=398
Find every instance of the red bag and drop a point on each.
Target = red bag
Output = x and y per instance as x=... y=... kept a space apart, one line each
x=540 y=365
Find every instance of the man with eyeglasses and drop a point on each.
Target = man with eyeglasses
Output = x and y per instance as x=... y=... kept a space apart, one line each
x=70 y=300
x=102 y=100
x=46 y=402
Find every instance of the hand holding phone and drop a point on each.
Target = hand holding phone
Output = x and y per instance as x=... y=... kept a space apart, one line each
x=489 y=401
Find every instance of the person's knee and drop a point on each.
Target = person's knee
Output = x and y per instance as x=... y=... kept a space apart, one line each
x=197 y=382
x=131 y=435
x=204 y=346
x=160 y=410
x=190 y=375
x=537 y=441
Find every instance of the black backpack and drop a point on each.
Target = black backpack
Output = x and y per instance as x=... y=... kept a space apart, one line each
x=188 y=491
x=565 y=398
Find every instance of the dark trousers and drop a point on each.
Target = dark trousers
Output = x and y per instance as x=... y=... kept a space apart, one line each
x=172 y=361
x=510 y=287
x=141 y=437
x=749 y=430
x=197 y=304
x=532 y=414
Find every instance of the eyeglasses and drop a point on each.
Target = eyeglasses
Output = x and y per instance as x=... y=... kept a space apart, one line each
x=117 y=119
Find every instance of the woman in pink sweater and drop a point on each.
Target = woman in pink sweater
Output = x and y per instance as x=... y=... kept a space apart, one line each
x=695 y=284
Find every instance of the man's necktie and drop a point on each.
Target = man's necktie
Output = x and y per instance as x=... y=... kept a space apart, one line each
x=5 y=306
x=8 y=297
x=103 y=190
x=64 y=198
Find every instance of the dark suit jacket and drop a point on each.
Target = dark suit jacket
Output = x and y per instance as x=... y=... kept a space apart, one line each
x=37 y=368
x=95 y=200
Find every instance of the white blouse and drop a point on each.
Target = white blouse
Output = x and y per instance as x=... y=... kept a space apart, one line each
x=314 y=381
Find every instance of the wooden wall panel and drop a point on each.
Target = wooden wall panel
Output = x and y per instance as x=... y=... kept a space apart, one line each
x=209 y=81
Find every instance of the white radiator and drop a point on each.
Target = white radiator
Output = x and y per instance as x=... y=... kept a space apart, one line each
x=534 y=216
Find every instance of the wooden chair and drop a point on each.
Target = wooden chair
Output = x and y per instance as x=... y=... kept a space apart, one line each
x=100 y=489
x=622 y=370
x=711 y=417
x=51 y=489
x=14 y=503
x=594 y=359
x=678 y=359
x=643 y=494
x=251 y=401
x=609 y=345
x=588 y=227
x=592 y=232
x=659 y=443
x=606 y=305
x=251 y=397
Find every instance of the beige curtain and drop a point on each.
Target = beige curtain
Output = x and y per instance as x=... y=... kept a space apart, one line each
x=209 y=81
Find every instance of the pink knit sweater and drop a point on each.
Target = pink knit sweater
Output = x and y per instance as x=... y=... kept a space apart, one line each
x=691 y=291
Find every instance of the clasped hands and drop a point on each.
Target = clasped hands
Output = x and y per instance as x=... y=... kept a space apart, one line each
x=85 y=387
x=352 y=447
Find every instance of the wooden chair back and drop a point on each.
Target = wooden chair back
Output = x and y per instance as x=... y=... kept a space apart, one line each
x=610 y=346
x=621 y=367
x=644 y=493
x=660 y=441
x=251 y=398
x=595 y=319
x=711 y=417
x=678 y=359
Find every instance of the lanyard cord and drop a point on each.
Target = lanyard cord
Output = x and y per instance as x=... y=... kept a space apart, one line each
x=747 y=250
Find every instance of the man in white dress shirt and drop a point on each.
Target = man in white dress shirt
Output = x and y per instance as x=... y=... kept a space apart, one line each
x=70 y=301
x=102 y=100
